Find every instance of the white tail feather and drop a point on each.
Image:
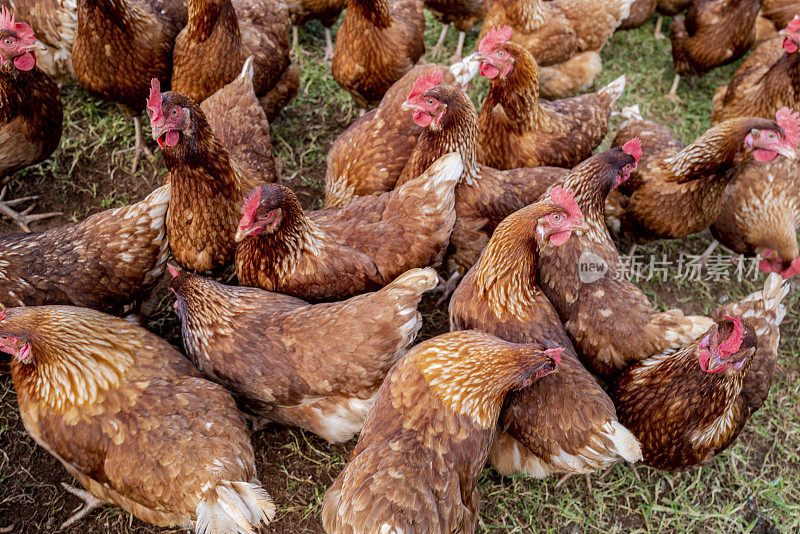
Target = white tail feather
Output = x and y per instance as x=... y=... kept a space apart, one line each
x=614 y=89
x=233 y=507
x=247 y=69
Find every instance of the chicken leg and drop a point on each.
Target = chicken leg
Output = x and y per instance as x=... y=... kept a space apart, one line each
x=447 y=288
x=672 y=96
x=24 y=218
x=657 y=33
x=90 y=503
x=328 y=46
x=437 y=50
x=459 y=48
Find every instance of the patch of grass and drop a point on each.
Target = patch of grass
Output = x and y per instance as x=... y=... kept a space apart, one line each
x=752 y=487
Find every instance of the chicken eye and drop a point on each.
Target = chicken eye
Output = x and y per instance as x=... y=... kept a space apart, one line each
x=8 y=41
x=555 y=218
x=430 y=101
x=771 y=135
x=174 y=112
x=501 y=53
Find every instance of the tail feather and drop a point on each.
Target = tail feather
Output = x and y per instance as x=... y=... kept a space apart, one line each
x=233 y=507
x=247 y=70
x=613 y=91
x=418 y=280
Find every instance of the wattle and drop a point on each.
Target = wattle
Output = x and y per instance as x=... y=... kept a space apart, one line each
x=790 y=46
x=171 y=137
x=560 y=238
x=490 y=71
x=26 y=61
x=421 y=118
x=764 y=156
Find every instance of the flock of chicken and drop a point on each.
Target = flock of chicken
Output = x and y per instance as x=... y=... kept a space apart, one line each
x=543 y=372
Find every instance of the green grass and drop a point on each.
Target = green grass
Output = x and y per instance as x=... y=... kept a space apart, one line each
x=752 y=487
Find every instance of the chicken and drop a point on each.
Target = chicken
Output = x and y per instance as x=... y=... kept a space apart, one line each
x=369 y=156
x=713 y=33
x=264 y=347
x=335 y=254
x=327 y=11
x=30 y=111
x=565 y=37
x=761 y=215
x=484 y=196
x=55 y=23
x=106 y=262
x=766 y=81
x=376 y=45
x=132 y=420
x=669 y=8
x=611 y=322
x=416 y=464
x=780 y=12
x=688 y=405
x=640 y=13
x=220 y=36
x=678 y=191
x=208 y=187
x=564 y=422
x=239 y=122
x=516 y=129
x=463 y=14
x=120 y=45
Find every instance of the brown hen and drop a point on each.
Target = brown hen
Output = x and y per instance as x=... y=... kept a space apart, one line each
x=516 y=129
x=264 y=347
x=416 y=465
x=207 y=185
x=376 y=45
x=563 y=423
x=610 y=320
x=132 y=420
x=335 y=254
x=688 y=405
x=220 y=35
x=678 y=191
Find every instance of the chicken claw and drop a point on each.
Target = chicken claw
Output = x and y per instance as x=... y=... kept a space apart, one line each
x=565 y=477
x=672 y=96
x=447 y=288
x=24 y=218
x=90 y=503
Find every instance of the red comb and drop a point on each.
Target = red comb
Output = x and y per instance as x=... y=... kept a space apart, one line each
x=154 y=102
x=555 y=355
x=734 y=341
x=498 y=34
x=251 y=203
x=24 y=31
x=564 y=198
x=633 y=148
x=173 y=271
x=789 y=120
x=794 y=24
x=425 y=82
x=3 y=315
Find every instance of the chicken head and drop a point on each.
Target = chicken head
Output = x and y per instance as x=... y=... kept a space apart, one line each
x=632 y=148
x=768 y=144
x=168 y=118
x=263 y=210
x=425 y=108
x=557 y=226
x=791 y=35
x=495 y=59
x=16 y=347
x=729 y=343
x=16 y=42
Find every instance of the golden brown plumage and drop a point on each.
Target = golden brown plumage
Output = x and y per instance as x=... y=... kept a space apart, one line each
x=640 y=13
x=761 y=214
x=369 y=156
x=556 y=32
x=335 y=254
x=106 y=262
x=689 y=405
x=484 y=196
x=611 y=322
x=264 y=347
x=377 y=43
x=678 y=191
x=516 y=129
x=425 y=441
x=780 y=12
x=131 y=419
x=220 y=35
x=563 y=423
x=207 y=185
x=766 y=81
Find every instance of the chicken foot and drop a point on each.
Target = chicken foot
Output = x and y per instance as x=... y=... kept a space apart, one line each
x=437 y=50
x=24 y=218
x=328 y=46
x=566 y=477
x=672 y=96
x=459 y=48
x=657 y=33
x=90 y=503
x=447 y=288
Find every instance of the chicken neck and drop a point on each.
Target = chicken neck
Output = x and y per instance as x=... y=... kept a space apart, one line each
x=525 y=16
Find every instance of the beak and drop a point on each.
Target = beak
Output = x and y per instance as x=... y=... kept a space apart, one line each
x=159 y=130
x=406 y=106
x=242 y=233
x=715 y=362
x=38 y=47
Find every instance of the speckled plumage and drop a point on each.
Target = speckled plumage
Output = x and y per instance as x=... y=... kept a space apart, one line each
x=516 y=129
x=484 y=195
x=713 y=407
x=335 y=254
x=131 y=418
x=610 y=320
x=677 y=191
x=377 y=43
x=264 y=347
x=564 y=422
x=369 y=156
x=105 y=262
x=416 y=464
x=221 y=35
